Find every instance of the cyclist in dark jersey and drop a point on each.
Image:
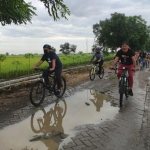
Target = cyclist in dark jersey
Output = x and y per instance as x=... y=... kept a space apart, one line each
x=99 y=58
x=55 y=65
x=127 y=57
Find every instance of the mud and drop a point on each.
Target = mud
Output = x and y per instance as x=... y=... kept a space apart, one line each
x=16 y=97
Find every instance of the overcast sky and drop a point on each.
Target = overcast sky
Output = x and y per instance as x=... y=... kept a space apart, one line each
x=77 y=30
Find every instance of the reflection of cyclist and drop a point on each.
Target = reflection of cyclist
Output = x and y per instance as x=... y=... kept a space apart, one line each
x=51 y=125
x=99 y=58
x=98 y=100
x=127 y=58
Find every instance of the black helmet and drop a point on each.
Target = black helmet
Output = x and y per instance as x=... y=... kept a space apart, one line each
x=98 y=48
x=47 y=46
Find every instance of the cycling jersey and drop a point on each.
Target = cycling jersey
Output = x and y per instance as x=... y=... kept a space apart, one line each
x=125 y=57
x=49 y=57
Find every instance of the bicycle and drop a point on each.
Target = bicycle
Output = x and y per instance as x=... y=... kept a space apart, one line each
x=93 y=72
x=37 y=90
x=123 y=84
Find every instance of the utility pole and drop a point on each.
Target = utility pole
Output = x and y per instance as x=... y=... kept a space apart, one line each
x=86 y=45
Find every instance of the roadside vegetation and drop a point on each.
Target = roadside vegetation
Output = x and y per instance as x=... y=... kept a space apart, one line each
x=17 y=66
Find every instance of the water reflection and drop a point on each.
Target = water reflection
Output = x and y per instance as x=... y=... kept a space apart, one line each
x=50 y=125
x=98 y=99
x=26 y=148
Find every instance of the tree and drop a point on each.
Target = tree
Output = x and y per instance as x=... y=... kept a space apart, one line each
x=17 y=63
x=2 y=58
x=147 y=46
x=19 y=12
x=112 y=32
x=53 y=49
x=29 y=56
x=7 y=54
x=67 y=48
x=80 y=52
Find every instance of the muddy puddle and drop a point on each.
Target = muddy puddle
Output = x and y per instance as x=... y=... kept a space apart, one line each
x=53 y=126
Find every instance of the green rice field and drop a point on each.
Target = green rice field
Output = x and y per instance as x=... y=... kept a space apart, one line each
x=16 y=66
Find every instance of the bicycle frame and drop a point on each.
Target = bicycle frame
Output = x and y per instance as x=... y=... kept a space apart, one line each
x=37 y=90
x=124 y=78
x=94 y=66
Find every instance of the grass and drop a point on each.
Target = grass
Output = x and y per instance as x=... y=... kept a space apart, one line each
x=16 y=66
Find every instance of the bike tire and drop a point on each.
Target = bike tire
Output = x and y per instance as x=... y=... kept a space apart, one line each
x=37 y=93
x=60 y=108
x=126 y=88
x=121 y=92
x=101 y=75
x=63 y=87
x=34 y=121
x=92 y=74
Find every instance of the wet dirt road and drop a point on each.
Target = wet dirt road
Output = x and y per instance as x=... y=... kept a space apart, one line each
x=88 y=118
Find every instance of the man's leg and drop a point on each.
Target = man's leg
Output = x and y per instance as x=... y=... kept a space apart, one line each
x=100 y=66
x=45 y=76
x=96 y=66
x=58 y=79
x=119 y=72
x=131 y=73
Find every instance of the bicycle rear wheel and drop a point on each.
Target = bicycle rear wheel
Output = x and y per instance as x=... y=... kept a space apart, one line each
x=121 y=92
x=37 y=93
x=101 y=75
x=92 y=74
x=63 y=87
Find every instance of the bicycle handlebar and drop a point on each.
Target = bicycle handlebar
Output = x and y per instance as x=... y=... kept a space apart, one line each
x=39 y=69
x=122 y=69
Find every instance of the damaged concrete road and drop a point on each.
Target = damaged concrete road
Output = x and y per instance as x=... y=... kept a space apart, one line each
x=100 y=125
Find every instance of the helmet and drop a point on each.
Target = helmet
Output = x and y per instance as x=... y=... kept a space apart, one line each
x=47 y=46
x=97 y=48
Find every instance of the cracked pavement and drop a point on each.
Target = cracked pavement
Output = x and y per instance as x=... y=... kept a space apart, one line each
x=128 y=130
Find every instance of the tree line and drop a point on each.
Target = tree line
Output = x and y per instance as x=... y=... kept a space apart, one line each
x=110 y=33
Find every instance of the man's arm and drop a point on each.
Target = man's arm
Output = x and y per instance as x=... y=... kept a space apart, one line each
x=114 y=62
x=100 y=58
x=38 y=64
x=134 y=61
x=53 y=65
x=92 y=57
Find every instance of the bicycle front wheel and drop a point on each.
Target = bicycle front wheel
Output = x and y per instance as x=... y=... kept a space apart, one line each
x=37 y=93
x=37 y=121
x=121 y=92
x=127 y=88
x=63 y=87
x=92 y=74
x=101 y=75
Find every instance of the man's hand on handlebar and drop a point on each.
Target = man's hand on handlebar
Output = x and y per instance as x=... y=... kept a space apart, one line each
x=135 y=69
x=111 y=67
x=34 y=68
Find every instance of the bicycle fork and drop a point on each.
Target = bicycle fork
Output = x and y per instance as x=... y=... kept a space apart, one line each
x=122 y=84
